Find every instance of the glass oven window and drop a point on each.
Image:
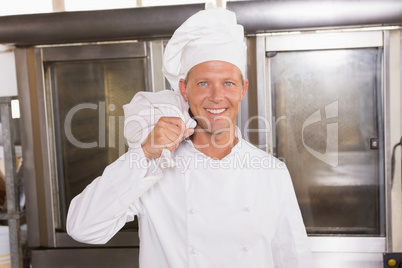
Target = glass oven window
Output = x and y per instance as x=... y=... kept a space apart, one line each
x=326 y=105
x=87 y=97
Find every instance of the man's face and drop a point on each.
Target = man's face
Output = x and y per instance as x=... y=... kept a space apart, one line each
x=214 y=90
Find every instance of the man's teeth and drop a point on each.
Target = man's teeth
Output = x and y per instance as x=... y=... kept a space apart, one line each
x=216 y=111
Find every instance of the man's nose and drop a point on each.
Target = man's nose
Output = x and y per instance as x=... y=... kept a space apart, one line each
x=216 y=94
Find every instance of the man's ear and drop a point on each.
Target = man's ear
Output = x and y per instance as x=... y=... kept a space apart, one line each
x=245 y=87
x=182 y=87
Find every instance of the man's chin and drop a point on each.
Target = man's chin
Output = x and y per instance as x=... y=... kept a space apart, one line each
x=215 y=130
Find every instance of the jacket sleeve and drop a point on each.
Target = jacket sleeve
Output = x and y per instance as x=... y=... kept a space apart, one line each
x=111 y=200
x=290 y=246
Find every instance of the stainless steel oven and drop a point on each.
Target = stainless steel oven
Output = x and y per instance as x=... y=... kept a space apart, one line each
x=71 y=103
x=323 y=108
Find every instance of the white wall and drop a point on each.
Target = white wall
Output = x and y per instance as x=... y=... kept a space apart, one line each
x=15 y=7
x=8 y=84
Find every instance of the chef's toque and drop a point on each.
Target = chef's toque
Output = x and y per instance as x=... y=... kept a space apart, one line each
x=208 y=35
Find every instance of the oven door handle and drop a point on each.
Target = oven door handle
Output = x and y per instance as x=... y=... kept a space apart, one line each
x=393 y=161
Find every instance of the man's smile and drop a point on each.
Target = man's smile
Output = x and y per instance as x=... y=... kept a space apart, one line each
x=216 y=111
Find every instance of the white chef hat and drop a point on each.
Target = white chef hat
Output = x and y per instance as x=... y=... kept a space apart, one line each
x=211 y=34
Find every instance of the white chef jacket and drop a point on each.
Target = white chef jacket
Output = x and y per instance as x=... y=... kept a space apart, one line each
x=238 y=212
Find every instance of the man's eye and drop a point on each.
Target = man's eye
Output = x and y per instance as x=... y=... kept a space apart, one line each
x=228 y=84
x=203 y=84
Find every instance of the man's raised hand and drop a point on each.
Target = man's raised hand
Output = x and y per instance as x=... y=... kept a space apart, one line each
x=167 y=134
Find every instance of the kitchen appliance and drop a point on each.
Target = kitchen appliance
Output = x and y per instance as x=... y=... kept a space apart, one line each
x=75 y=95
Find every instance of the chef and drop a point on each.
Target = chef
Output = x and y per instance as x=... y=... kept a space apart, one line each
x=204 y=197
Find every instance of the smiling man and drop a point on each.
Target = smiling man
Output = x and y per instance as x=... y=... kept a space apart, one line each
x=232 y=205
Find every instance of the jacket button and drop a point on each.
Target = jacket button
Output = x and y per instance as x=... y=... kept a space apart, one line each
x=246 y=249
x=193 y=211
x=248 y=209
x=194 y=251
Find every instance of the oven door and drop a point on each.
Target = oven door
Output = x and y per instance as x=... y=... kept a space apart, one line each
x=322 y=97
x=76 y=99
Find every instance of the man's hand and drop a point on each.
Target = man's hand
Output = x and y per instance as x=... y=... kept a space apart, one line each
x=167 y=134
